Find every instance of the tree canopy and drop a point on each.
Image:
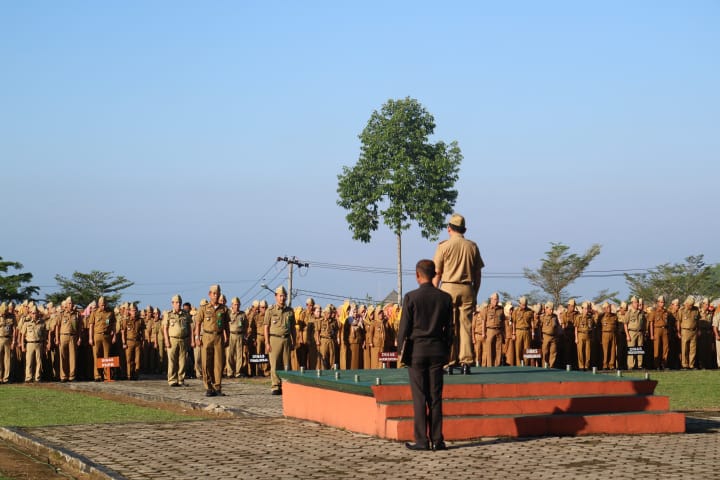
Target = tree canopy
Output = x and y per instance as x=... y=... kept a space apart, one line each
x=86 y=287
x=11 y=285
x=400 y=176
x=559 y=269
x=677 y=280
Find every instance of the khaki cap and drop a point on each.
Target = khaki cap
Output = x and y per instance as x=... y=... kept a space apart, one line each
x=689 y=300
x=280 y=290
x=549 y=305
x=235 y=300
x=633 y=299
x=177 y=298
x=522 y=301
x=571 y=301
x=310 y=301
x=255 y=303
x=457 y=220
x=215 y=288
x=661 y=298
x=263 y=303
x=623 y=304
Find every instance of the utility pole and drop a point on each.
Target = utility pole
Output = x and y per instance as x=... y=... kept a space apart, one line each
x=291 y=261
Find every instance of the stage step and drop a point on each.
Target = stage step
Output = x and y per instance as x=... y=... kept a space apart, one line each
x=536 y=405
x=471 y=427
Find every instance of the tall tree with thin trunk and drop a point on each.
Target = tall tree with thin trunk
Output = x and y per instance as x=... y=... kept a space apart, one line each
x=86 y=287
x=559 y=269
x=400 y=176
x=11 y=285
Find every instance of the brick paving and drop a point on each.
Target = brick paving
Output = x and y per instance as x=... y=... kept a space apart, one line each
x=257 y=442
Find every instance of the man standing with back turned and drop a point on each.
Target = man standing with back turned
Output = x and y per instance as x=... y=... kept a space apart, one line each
x=426 y=327
x=458 y=266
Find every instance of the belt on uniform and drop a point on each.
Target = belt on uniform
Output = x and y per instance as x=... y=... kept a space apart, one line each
x=211 y=333
x=329 y=338
x=690 y=329
x=664 y=327
x=458 y=283
x=493 y=328
x=236 y=333
x=584 y=331
x=71 y=334
x=33 y=341
x=279 y=336
x=631 y=330
x=181 y=338
x=608 y=331
x=523 y=329
x=131 y=339
x=5 y=336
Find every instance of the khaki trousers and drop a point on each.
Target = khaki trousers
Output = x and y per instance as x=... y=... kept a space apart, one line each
x=688 y=348
x=661 y=347
x=327 y=354
x=636 y=340
x=5 y=358
x=213 y=361
x=177 y=355
x=33 y=361
x=493 y=347
x=584 y=350
x=522 y=343
x=463 y=300
x=609 y=348
x=549 y=350
x=279 y=359
x=68 y=355
x=236 y=361
x=101 y=349
x=132 y=358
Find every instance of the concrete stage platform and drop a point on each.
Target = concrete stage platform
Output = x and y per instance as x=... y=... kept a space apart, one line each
x=490 y=402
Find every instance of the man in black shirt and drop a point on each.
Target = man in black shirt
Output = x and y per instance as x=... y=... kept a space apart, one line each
x=426 y=327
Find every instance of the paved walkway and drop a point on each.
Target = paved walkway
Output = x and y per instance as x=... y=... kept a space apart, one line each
x=259 y=443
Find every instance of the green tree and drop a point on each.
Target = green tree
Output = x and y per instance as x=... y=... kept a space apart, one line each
x=11 y=285
x=400 y=176
x=559 y=269
x=86 y=287
x=677 y=280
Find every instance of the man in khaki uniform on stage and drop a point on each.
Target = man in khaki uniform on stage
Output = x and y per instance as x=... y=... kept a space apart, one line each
x=688 y=318
x=584 y=330
x=280 y=333
x=635 y=324
x=132 y=332
x=551 y=331
x=102 y=334
x=212 y=331
x=522 y=329
x=458 y=266
x=178 y=325
x=327 y=337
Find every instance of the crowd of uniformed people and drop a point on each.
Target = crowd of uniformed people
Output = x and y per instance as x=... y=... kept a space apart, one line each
x=63 y=343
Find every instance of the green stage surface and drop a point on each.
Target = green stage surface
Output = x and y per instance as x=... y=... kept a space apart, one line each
x=347 y=381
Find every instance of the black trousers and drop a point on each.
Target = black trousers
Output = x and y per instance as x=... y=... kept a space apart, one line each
x=426 y=384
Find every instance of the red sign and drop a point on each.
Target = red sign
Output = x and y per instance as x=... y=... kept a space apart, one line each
x=108 y=362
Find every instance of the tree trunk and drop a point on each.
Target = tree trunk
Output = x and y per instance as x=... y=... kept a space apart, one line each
x=399 y=268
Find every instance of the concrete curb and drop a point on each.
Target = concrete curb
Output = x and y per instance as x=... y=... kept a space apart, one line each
x=57 y=455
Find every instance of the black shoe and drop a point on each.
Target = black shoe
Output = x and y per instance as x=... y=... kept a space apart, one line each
x=174 y=384
x=465 y=369
x=210 y=393
x=416 y=446
x=448 y=370
x=440 y=446
x=218 y=393
x=276 y=392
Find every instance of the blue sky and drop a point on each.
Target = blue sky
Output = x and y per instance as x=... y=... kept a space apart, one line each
x=182 y=143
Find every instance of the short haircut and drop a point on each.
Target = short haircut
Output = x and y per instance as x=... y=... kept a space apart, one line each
x=455 y=228
x=426 y=268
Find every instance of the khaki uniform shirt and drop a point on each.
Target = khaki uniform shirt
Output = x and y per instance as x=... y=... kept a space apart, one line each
x=328 y=328
x=459 y=260
x=134 y=329
x=688 y=318
x=550 y=324
x=281 y=321
x=494 y=317
x=523 y=318
x=585 y=323
x=635 y=320
x=7 y=325
x=103 y=321
x=214 y=319
x=33 y=331
x=178 y=324
x=238 y=323
x=608 y=321
x=69 y=323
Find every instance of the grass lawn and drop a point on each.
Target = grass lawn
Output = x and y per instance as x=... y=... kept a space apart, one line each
x=689 y=390
x=32 y=406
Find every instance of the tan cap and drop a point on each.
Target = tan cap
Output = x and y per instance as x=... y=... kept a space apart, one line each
x=255 y=303
x=457 y=220
x=522 y=300
x=101 y=300
x=215 y=288
x=661 y=298
x=177 y=298
x=549 y=305
x=571 y=301
x=329 y=308
x=263 y=303
x=605 y=305
x=633 y=299
x=235 y=300
x=280 y=290
x=310 y=301
x=689 y=300
x=623 y=304
x=203 y=302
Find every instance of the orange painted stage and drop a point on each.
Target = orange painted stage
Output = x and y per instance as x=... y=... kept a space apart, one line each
x=490 y=402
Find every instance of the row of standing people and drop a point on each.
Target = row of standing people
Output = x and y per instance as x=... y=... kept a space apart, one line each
x=628 y=336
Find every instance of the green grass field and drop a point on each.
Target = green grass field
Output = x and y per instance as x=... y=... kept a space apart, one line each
x=30 y=406
x=688 y=390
